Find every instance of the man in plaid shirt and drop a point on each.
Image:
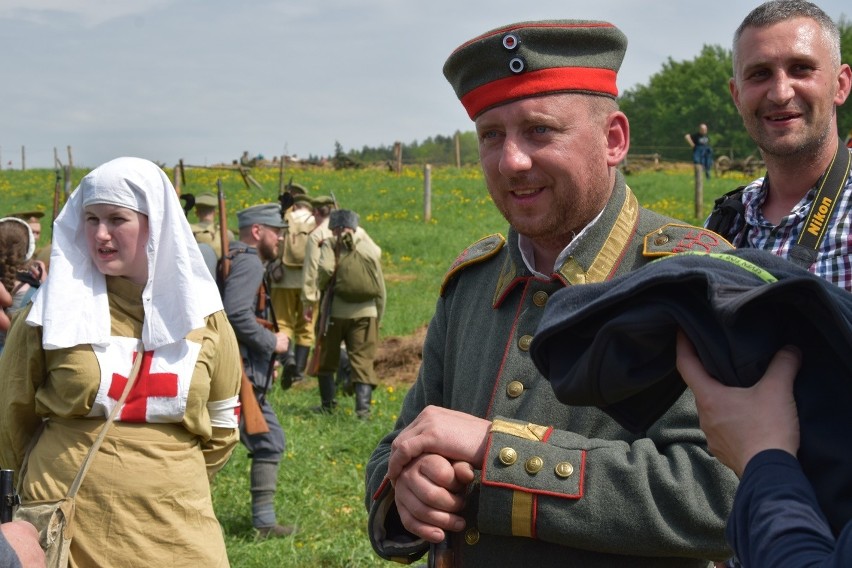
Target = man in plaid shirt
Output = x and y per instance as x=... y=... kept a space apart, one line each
x=788 y=82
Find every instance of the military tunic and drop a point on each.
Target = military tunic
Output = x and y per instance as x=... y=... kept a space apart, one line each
x=286 y=287
x=354 y=323
x=257 y=344
x=147 y=484
x=560 y=485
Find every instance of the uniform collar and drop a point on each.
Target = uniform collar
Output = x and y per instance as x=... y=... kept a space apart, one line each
x=605 y=243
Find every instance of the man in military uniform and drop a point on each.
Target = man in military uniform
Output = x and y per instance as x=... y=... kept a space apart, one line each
x=358 y=302
x=485 y=464
x=286 y=282
x=245 y=297
x=206 y=230
x=310 y=298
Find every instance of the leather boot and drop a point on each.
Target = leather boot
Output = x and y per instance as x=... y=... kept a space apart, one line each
x=344 y=374
x=363 y=399
x=264 y=478
x=301 y=362
x=289 y=361
x=327 y=390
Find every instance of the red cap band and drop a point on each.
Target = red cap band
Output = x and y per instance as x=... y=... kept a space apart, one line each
x=559 y=79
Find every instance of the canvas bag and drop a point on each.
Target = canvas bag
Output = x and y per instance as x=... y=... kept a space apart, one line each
x=295 y=242
x=54 y=520
x=357 y=278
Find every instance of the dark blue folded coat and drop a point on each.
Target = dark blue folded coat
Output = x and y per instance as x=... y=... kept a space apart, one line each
x=612 y=345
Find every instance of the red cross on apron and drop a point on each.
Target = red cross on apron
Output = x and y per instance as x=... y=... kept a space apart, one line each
x=147 y=384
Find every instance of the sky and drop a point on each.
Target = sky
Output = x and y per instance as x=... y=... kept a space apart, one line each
x=205 y=80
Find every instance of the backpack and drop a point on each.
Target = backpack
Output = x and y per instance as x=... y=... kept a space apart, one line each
x=207 y=234
x=356 y=272
x=295 y=241
x=728 y=211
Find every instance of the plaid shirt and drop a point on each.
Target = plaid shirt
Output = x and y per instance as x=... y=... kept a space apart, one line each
x=833 y=263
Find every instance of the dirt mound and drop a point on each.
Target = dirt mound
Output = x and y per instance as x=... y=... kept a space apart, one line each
x=398 y=358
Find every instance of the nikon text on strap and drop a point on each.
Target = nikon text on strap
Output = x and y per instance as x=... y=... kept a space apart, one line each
x=804 y=250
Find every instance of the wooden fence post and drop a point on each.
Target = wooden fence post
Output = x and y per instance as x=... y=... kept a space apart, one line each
x=699 y=191
x=457 y=143
x=427 y=193
x=397 y=152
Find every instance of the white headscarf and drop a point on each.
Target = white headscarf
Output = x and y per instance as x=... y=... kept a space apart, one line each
x=31 y=242
x=72 y=304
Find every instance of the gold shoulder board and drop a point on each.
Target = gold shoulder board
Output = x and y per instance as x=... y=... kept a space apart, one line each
x=480 y=251
x=673 y=238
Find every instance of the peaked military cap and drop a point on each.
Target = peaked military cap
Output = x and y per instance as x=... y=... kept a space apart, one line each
x=321 y=200
x=301 y=198
x=296 y=188
x=268 y=214
x=529 y=59
x=206 y=199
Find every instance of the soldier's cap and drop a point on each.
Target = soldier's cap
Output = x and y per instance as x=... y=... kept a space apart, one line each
x=206 y=199
x=301 y=198
x=343 y=219
x=27 y=215
x=268 y=214
x=321 y=200
x=296 y=188
x=529 y=59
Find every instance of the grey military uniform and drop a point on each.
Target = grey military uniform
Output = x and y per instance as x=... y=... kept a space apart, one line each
x=257 y=344
x=560 y=485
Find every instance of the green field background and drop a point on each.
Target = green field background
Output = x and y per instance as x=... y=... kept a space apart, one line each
x=321 y=481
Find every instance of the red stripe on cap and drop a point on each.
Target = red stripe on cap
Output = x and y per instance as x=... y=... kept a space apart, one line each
x=539 y=83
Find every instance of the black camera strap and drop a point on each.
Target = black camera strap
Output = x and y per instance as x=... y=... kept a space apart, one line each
x=804 y=250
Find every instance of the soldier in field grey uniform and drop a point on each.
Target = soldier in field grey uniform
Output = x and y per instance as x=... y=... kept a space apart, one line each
x=246 y=299
x=485 y=467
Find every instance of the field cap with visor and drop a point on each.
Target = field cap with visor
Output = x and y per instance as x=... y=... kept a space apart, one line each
x=268 y=214
x=530 y=59
x=207 y=199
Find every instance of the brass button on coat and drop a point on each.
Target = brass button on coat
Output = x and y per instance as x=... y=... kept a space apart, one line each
x=508 y=456
x=564 y=469
x=661 y=239
x=540 y=298
x=515 y=389
x=524 y=342
x=534 y=465
x=471 y=535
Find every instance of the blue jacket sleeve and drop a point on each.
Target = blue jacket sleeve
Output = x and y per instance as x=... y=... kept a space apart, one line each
x=776 y=520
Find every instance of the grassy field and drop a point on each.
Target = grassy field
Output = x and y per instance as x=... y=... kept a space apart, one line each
x=322 y=474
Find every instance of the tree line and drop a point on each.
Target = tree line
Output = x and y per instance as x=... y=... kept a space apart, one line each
x=682 y=95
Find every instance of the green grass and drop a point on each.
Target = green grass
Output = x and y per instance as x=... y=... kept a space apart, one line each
x=321 y=485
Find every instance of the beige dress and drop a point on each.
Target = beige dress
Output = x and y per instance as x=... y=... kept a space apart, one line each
x=146 y=499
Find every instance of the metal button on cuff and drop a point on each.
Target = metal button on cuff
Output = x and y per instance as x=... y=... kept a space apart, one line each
x=534 y=465
x=508 y=456
x=564 y=469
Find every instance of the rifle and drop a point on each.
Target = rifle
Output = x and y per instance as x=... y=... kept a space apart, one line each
x=323 y=318
x=251 y=413
x=57 y=191
x=271 y=324
x=9 y=498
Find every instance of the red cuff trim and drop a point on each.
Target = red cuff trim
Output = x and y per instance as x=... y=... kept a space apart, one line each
x=541 y=82
x=381 y=489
